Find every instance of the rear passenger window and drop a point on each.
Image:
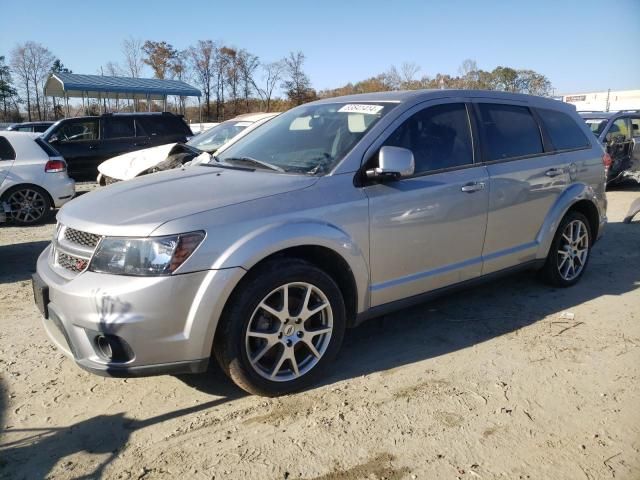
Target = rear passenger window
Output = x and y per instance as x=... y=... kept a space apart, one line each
x=165 y=125
x=119 y=128
x=562 y=130
x=439 y=137
x=509 y=131
x=6 y=150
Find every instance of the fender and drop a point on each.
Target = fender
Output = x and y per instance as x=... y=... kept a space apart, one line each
x=573 y=194
x=250 y=249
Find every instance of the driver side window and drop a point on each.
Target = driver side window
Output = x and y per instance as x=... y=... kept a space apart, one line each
x=619 y=130
x=78 y=131
x=439 y=137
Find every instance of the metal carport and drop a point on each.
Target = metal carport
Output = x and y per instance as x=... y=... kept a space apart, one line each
x=72 y=85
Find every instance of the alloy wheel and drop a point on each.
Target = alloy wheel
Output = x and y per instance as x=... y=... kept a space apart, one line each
x=27 y=205
x=289 y=331
x=573 y=250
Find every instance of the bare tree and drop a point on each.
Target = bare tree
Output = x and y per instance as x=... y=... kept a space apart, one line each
x=32 y=62
x=247 y=63
x=297 y=85
x=133 y=56
x=203 y=60
x=408 y=72
x=271 y=76
x=179 y=69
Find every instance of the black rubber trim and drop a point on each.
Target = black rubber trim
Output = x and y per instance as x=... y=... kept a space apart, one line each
x=175 y=368
x=425 y=297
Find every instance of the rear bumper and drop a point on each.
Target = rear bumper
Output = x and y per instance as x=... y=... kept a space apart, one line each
x=62 y=190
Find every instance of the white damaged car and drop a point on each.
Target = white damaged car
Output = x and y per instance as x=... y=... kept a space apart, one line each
x=173 y=155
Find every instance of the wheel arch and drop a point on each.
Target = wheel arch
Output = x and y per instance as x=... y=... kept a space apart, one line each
x=17 y=186
x=578 y=197
x=323 y=245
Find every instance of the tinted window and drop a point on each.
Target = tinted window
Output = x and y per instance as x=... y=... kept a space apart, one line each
x=6 y=150
x=41 y=128
x=562 y=130
x=619 y=130
x=140 y=132
x=509 y=131
x=78 y=130
x=119 y=127
x=439 y=137
x=635 y=127
x=165 y=125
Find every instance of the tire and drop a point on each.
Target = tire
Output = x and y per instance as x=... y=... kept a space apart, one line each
x=567 y=260
x=289 y=347
x=28 y=204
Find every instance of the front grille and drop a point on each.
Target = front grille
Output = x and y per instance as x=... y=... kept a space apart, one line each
x=81 y=238
x=72 y=250
x=71 y=263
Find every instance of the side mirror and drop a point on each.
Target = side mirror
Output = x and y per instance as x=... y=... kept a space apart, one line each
x=393 y=163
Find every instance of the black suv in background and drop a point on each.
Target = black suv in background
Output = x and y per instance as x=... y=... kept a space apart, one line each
x=619 y=132
x=85 y=142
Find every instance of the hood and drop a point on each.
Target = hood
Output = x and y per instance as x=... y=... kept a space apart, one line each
x=130 y=165
x=139 y=206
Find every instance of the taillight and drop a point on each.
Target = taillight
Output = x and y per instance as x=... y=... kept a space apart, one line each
x=55 y=166
x=606 y=160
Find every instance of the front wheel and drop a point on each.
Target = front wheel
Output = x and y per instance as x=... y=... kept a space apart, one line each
x=284 y=323
x=569 y=252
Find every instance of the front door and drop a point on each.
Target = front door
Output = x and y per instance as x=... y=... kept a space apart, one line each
x=427 y=231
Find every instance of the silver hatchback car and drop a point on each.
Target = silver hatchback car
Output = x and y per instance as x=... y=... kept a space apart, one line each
x=334 y=212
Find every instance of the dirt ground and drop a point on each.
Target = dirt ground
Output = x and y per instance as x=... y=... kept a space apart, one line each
x=510 y=380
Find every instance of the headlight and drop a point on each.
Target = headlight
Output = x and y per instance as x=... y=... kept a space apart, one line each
x=144 y=256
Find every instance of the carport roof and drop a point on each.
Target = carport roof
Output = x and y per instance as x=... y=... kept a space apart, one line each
x=75 y=85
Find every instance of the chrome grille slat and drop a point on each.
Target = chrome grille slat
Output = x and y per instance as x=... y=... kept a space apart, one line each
x=81 y=238
x=73 y=249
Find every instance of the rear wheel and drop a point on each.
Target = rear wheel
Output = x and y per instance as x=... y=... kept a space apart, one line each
x=27 y=204
x=285 y=322
x=569 y=252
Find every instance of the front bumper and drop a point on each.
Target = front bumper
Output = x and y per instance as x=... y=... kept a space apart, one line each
x=167 y=323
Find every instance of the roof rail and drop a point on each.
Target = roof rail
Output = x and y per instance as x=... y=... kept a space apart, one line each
x=592 y=111
x=629 y=111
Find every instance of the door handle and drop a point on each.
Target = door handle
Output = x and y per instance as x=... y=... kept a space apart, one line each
x=473 y=187
x=93 y=147
x=554 y=172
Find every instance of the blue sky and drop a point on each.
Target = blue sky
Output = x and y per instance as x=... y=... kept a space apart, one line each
x=580 y=45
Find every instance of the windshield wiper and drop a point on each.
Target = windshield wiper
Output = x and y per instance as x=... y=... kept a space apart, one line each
x=253 y=161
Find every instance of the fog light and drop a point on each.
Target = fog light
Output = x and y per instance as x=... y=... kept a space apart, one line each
x=112 y=348
x=104 y=347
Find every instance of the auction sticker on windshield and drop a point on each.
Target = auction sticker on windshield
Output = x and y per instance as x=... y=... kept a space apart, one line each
x=361 y=108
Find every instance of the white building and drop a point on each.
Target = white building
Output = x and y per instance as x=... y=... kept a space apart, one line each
x=607 y=101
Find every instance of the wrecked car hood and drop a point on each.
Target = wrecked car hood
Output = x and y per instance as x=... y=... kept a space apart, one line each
x=132 y=164
x=141 y=205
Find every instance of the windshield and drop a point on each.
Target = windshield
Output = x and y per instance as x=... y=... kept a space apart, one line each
x=596 y=125
x=308 y=139
x=212 y=139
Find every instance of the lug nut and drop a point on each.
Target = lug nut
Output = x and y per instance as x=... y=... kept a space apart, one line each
x=300 y=334
x=298 y=320
x=280 y=335
x=289 y=343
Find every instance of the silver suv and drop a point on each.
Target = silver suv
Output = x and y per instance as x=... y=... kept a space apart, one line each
x=332 y=213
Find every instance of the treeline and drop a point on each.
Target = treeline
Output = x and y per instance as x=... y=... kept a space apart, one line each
x=232 y=80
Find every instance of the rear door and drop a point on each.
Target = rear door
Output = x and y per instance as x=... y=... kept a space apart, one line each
x=7 y=157
x=119 y=136
x=524 y=182
x=427 y=230
x=78 y=141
